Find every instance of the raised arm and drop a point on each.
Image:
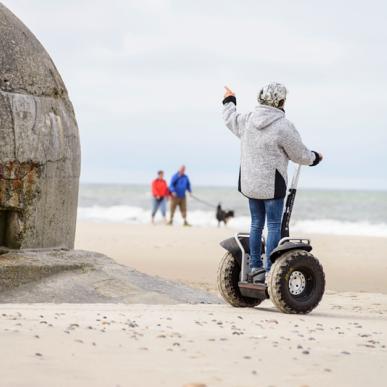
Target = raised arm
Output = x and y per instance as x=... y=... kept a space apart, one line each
x=295 y=149
x=235 y=121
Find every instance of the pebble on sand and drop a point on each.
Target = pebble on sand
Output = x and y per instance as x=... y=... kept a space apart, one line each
x=195 y=385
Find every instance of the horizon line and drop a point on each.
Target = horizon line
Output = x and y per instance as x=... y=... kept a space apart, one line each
x=308 y=188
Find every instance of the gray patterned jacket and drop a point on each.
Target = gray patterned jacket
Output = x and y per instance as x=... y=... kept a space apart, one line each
x=268 y=142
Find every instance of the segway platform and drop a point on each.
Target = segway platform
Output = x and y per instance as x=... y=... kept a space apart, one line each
x=258 y=291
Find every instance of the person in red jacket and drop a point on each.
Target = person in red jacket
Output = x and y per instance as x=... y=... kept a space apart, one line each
x=160 y=193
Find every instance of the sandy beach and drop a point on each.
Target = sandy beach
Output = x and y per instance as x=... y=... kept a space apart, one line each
x=191 y=255
x=342 y=343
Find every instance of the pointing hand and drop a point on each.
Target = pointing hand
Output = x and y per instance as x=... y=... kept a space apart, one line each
x=228 y=92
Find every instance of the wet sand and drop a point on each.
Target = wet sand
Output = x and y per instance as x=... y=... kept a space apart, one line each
x=192 y=255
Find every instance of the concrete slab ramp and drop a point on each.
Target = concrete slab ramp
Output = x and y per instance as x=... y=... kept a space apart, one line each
x=76 y=276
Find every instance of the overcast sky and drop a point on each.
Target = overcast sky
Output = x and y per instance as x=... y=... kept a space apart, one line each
x=146 y=80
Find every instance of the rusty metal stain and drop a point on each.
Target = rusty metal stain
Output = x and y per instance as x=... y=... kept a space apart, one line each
x=18 y=184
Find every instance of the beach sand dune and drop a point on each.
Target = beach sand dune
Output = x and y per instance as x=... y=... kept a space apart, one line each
x=192 y=255
x=342 y=343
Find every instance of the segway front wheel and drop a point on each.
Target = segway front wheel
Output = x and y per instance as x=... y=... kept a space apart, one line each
x=296 y=282
x=228 y=278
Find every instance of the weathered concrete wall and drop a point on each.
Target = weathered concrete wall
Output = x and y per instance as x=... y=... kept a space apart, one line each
x=39 y=144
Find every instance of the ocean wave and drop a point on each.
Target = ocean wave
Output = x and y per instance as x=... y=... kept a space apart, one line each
x=338 y=227
x=138 y=215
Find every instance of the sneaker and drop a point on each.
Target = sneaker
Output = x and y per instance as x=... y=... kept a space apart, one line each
x=170 y=223
x=256 y=275
x=186 y=224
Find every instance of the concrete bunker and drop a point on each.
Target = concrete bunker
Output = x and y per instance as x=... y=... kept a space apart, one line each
x=40 y=150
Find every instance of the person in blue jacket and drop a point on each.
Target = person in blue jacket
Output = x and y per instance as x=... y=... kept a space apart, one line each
x=178 y=187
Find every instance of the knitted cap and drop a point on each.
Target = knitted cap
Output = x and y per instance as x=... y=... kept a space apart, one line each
x=272 y=94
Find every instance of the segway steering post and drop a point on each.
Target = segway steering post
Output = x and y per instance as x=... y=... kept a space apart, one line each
x=290 y=203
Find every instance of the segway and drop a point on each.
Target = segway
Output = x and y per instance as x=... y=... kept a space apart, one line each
x=296 y=281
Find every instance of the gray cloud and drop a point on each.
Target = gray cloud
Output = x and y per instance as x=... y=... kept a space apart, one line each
x=146 y=79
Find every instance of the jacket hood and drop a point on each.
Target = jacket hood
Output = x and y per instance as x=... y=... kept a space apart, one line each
x=264 y=115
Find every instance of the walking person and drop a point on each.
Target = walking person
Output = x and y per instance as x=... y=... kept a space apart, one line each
x=180 y=184
x=268 y=142
x=160 y=195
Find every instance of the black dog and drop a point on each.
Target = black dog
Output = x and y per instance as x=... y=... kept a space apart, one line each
x=223 y=216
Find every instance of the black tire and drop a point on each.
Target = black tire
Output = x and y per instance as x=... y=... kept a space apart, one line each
x=292 y=292
x=228 y=278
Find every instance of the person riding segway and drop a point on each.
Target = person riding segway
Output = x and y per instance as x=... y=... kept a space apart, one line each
x=268 y=142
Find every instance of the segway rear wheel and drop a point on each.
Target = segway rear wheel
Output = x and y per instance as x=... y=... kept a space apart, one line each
x=228 y=278
x=296 y=282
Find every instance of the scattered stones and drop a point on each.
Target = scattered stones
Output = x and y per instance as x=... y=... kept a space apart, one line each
x=195 y=385
x=73 y=326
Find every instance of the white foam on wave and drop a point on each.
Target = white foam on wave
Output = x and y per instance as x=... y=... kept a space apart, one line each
x=337 y=227
x=114 y=214
x=137 y=215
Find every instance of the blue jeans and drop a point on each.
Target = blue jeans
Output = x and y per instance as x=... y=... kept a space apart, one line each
x=159 y=203
x=259 y=209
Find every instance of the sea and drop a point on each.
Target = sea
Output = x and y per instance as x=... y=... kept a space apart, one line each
x=361 y=213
